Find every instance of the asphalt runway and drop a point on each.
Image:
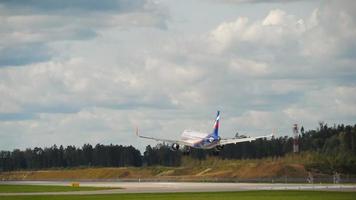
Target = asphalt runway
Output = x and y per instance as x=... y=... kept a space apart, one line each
x=162 y=187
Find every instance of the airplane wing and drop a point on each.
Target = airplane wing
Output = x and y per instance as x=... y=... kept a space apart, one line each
x=180 y=142
x=238 y=140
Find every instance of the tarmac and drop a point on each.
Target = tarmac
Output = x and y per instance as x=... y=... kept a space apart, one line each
x=165 y=187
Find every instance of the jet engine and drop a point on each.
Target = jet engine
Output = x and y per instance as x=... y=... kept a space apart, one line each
x=175 y=147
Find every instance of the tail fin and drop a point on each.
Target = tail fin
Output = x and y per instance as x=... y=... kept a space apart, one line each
x=216 y=125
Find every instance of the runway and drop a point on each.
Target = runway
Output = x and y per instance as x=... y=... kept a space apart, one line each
x=164 y=187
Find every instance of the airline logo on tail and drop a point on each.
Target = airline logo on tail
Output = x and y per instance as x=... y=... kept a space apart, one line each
x=216 y=125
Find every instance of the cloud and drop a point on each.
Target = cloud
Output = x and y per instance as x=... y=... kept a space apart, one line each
x=282 y=39
x=332 y=105
x=64 y=6
x=29 y=28
x=276 y=30
x=23 y=54
x=331 y=31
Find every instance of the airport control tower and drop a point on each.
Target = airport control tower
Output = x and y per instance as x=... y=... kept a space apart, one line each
x=295 y=141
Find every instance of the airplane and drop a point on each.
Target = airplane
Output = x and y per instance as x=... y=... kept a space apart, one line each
x=194 y=139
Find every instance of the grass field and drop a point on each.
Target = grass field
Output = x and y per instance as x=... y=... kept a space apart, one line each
x=249 y=195
x=47 y=188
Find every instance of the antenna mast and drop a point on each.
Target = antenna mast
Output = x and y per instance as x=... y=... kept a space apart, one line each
x=295 y=141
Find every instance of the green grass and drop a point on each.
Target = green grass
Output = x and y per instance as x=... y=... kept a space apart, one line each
x=246 y=195
x=44 y=188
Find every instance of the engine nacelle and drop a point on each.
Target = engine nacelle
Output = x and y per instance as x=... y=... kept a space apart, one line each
x=175 y=147
x=219 y=147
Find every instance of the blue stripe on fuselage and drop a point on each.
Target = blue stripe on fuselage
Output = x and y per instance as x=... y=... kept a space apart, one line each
x=206 y=144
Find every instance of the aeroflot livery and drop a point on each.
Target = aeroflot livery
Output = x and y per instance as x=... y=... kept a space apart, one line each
x=194 y=139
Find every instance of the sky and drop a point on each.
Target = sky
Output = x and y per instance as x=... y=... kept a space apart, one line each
x=86 y=71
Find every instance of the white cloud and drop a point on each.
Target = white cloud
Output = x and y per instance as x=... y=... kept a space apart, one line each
x=276 y=30
x=331 y=30
x=275 y=18
x=331 y=104
x=249 y=67
x=226 y=32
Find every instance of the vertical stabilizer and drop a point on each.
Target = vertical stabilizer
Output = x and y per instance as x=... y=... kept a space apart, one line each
x=216 y=125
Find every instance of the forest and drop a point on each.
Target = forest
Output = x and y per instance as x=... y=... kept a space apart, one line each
x=334 y=149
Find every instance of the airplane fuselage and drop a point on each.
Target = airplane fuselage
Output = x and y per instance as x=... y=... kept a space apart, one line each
x=199 y=139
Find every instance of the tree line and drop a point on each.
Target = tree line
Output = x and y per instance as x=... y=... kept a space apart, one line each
x=334 y=147
x=70 y=156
